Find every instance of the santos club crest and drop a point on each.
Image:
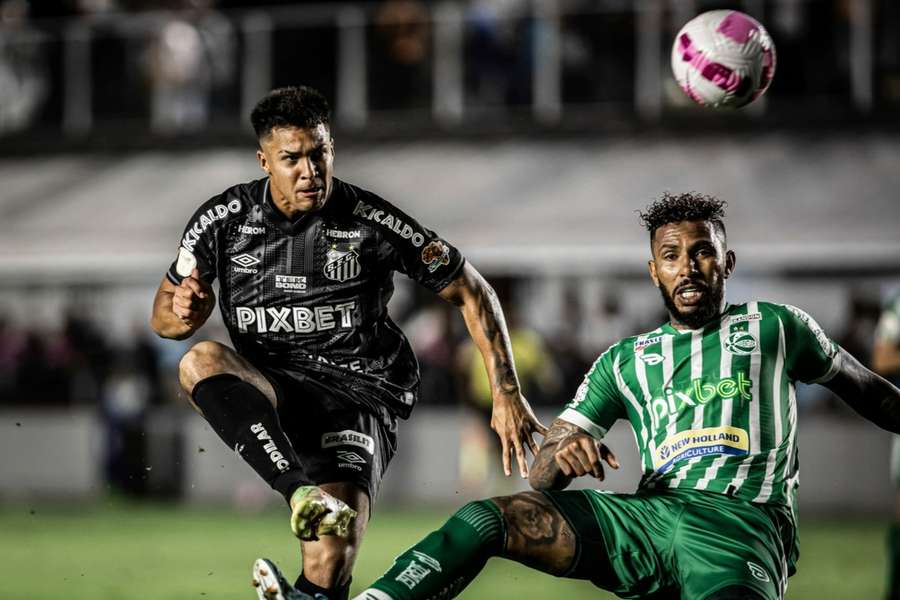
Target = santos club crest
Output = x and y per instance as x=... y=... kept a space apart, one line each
x=342 y=265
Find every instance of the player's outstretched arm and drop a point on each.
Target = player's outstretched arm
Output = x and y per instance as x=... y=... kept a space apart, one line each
x=867 y=393
x=512 y=417
x=180 y=310
x=568 y=452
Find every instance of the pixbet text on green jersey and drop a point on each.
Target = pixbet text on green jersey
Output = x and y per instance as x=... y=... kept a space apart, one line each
x=713 y=408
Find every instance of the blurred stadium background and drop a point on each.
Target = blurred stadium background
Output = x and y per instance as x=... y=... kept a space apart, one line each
x=527 y=132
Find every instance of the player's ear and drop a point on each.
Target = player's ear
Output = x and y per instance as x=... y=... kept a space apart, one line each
x=651 y=266
x=730 y=262
x=261 y=157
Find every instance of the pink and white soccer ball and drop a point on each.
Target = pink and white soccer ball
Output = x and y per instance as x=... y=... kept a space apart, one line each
x=723 y=58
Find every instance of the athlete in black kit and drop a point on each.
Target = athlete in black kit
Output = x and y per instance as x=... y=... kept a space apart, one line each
x=319 y=374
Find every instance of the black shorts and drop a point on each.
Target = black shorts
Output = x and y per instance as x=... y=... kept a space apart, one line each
x=336 y=438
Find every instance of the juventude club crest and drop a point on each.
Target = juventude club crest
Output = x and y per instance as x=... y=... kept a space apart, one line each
x=342 y=265
x=741 y=343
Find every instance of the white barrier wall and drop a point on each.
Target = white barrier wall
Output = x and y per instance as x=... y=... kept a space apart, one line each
x=46 y=455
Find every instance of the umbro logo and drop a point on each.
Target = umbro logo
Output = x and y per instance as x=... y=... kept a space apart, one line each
x=351 y=457
x=245 y=260
x=245 y=263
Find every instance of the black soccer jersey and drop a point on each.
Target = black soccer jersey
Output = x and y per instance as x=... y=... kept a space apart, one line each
x=313 y=293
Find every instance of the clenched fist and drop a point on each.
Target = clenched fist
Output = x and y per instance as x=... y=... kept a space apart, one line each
x=193 y=300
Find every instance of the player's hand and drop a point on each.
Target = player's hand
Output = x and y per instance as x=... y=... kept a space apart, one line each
x=580 y=454
x=193 y=300
x=515 y=424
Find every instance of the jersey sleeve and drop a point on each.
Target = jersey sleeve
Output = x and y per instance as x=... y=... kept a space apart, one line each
x=888 y=329
x=418 y=252
x=810 y=355
x=597 y=403
x=198 y=243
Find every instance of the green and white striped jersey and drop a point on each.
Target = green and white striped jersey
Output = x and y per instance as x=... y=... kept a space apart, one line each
x=713 y=408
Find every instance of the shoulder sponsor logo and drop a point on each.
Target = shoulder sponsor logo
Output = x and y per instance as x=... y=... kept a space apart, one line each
x=216 y=213
x=245 y=262
x=823 y=339
x=294 y=284
x=344 y=235
x=741 y=343
x=435 y=255
x=348 y=437
x=386 y=219
x=641 y=344
x=186 y=263
x=294 y=319
x=251 y=230
x=651 y=358
x=342 y=265
x=758 y=572
x=700 y=442
x=743 y=318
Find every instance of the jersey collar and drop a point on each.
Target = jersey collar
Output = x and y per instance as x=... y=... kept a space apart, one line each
x=714 y=323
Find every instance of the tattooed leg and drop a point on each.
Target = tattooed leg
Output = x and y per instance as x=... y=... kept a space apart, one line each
x=537 y=535
x=526 y=528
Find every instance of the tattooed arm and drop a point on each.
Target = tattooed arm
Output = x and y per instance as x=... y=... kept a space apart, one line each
x=568 y=452
x=512 y=417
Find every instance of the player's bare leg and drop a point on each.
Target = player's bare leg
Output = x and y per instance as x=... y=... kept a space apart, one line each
x=239 y=403
x=327 y=562
x=207 y=359
x=537 y=535
x=525 y=527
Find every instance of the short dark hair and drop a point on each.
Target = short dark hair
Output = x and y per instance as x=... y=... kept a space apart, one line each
x=295 y=106
x=690 y=206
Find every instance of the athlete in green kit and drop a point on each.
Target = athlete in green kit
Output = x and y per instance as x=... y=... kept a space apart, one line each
x=710 y=396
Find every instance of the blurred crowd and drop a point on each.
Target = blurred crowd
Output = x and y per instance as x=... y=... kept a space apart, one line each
x=127 y=379
x=177 y=64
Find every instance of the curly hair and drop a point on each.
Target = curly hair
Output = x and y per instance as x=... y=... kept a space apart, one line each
x=295 y=106
x=690 y=206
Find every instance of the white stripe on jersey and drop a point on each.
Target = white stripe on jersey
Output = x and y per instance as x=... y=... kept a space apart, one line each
x=640 y=370
x=765 y=490
x=755 y=365
x=727 y=405
x=792 y=440
x=697 y=423
x=776 y=386
x=668 y=366
x=570 y=415
x=620 y=382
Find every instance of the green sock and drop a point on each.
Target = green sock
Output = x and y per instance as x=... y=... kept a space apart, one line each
x=893 y=591
x=447 y=560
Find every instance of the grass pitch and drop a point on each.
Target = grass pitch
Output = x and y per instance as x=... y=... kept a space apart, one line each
x=117 y=551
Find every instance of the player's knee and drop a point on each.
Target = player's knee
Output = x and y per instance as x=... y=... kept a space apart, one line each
x=735 y=592
x=203 y=360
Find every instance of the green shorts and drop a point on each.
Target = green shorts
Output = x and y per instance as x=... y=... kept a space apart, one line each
x=678 y=544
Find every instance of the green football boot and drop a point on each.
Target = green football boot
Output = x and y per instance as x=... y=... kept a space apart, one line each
x=270 y=584
x=315 y=513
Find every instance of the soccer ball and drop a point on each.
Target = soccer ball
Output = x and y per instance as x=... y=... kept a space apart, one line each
x=723 y=59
